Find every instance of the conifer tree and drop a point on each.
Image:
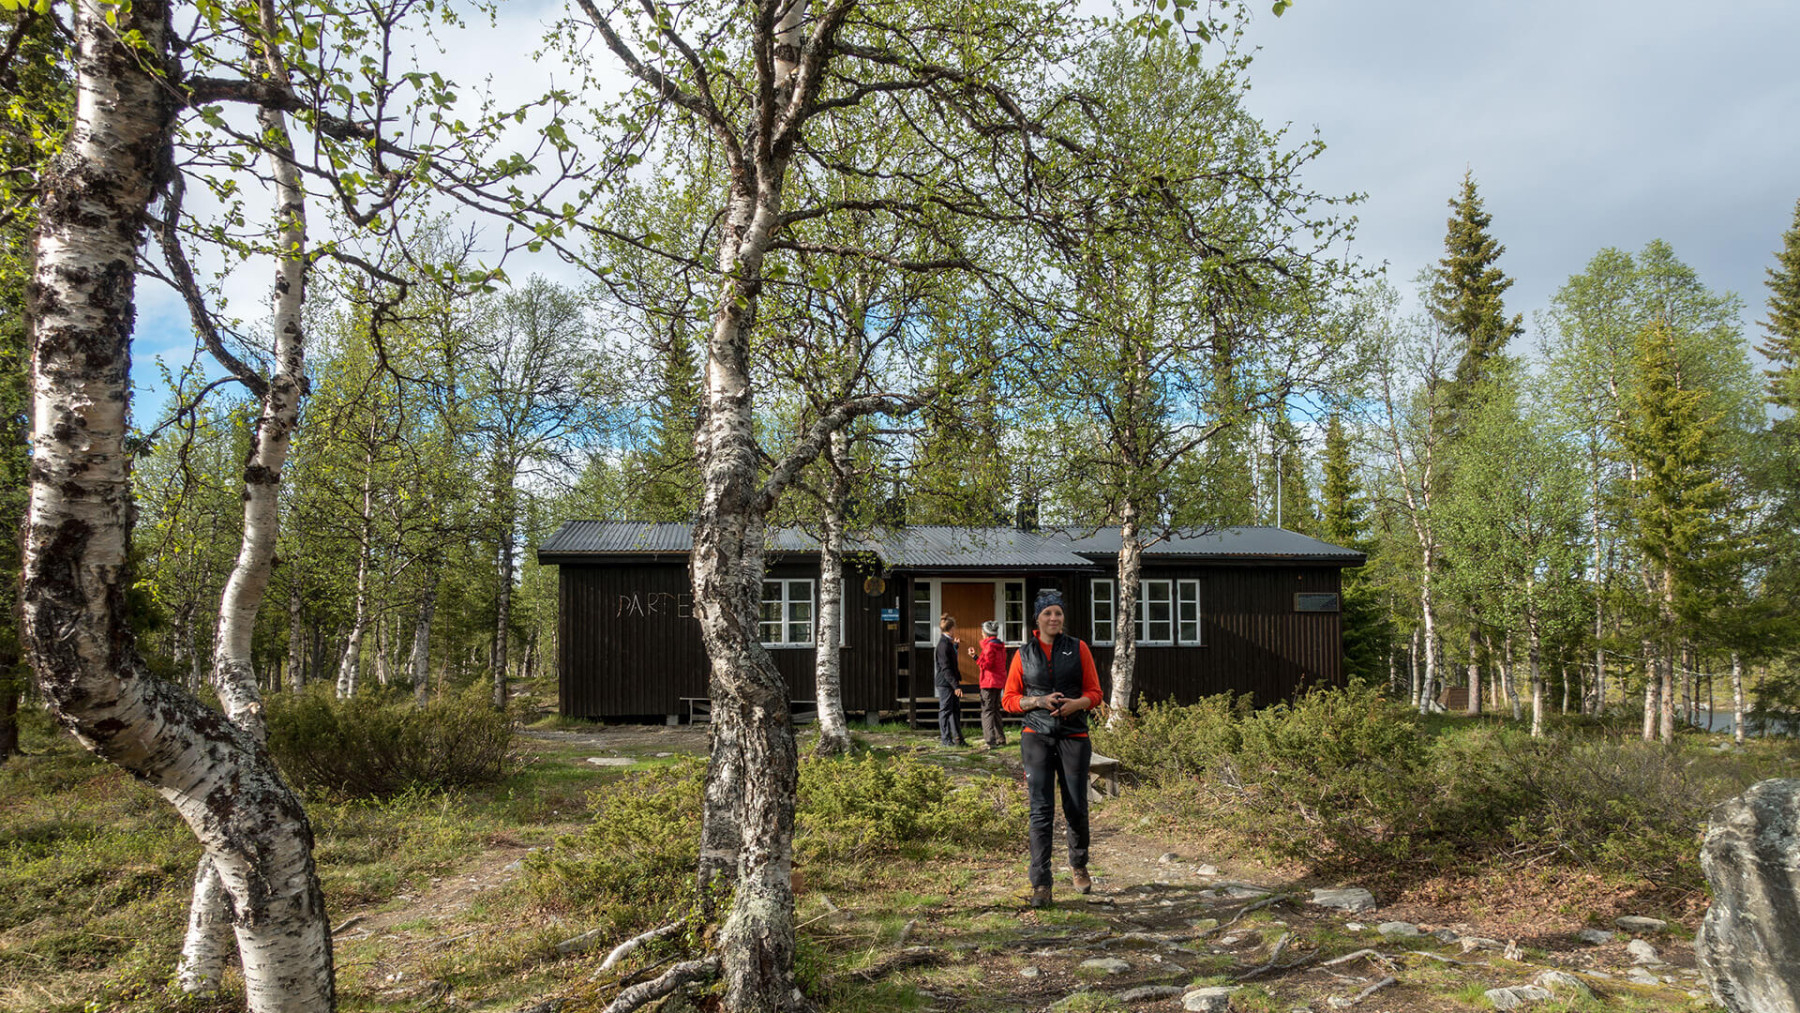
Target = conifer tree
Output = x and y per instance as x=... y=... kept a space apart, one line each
x=1343 y=514
x=1783 y=321
x=1466 y=292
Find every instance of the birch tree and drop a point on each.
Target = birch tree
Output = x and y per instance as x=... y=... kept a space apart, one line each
x=1412 y=400
x=96 y=195
x=1192 y=252
x=753 y=84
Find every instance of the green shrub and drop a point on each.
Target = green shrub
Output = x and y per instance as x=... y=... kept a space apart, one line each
x=1628 y=807
x=1339 y=775
x=851 y=806
x=1166 y=738
x=635 y=861
x=379 y=744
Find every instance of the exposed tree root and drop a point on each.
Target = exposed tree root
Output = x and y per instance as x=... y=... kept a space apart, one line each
x=672 y=979
x=912 y=956
x=629 y=946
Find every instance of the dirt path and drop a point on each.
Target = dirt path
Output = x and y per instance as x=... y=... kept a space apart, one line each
x=1162 y=916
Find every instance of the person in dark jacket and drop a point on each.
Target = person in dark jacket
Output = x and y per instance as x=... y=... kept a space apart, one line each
x=1053 y=683
x=992 y=663
x=948 y=682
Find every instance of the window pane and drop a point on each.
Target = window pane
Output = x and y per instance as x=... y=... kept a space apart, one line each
x=921 y=611
x=1187 y=611
x=770 y=632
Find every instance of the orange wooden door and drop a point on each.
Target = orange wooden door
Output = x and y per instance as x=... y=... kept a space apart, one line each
x=971 y=605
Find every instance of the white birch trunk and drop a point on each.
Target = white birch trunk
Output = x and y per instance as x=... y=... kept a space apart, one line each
x=248 y=822
x=1507 y=682
x=296 y=642
x=504 y=496
x=834 y=727
x=1652 y=688
x=1131 y=566
x=233 y=670
x=1534 y=652
x=350 y=664
x=1737 y=697
x=1474 y=704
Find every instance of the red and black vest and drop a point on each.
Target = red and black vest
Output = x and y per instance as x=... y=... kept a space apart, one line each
x=1060 y=673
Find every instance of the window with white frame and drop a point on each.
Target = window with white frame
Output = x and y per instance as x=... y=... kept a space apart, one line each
x=787 y=613
x=1187 y=613
x=1100 y=609
x=1012 y=612
x=1156 y=612
x=923 y=619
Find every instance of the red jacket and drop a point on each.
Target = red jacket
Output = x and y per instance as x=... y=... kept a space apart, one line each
x=992 y=663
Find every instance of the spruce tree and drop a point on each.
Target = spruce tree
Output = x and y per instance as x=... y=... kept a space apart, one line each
x=1342 y=507
x=1783 y=321
x=1465 y=297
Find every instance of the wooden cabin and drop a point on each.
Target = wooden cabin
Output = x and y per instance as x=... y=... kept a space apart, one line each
x=1249 y=610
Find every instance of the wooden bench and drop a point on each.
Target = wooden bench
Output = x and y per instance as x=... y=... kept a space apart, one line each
x=1104 y=768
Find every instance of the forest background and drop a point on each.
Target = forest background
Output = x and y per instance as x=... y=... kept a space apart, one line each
x=1106 y=297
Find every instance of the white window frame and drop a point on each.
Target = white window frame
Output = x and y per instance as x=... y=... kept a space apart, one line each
x=930 y=620
x=1103 y=610
x=1187 y=596
x=1144 y=629
x=1012 y=632
x=785 y=602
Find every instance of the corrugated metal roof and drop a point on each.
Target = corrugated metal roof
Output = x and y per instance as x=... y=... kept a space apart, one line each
x=1228 y=543
x=942 y=547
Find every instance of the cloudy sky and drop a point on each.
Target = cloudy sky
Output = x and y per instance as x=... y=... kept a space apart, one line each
x=1587 y=123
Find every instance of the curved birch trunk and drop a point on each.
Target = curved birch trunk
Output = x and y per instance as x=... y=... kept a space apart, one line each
x=1124 y=663
x=296 y=662
x=503 y=611
x=233 y=669
x=215 y=773
x=753 y=738
x=828 y=668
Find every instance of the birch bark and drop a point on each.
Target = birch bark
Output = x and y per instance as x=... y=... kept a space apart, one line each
x=251 y=826
x=834 y=728
x=233 y=669
x=1131 y=565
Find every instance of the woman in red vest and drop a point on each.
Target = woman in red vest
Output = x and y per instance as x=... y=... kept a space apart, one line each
x=1053 y=683
x=992 y=663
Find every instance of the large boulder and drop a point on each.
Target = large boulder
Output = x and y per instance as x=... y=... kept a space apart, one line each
x=1749 y=943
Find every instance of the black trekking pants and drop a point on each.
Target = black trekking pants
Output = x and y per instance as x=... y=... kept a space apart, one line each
x=1053 y=763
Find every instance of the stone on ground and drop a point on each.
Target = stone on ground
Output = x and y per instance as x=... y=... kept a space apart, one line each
x=1110 y=965
x=1594 y=936
x=1749 y=943
x=1402 y=930
x=1029 y=972
x=1353 y=898
x=1148 y=993
x=1214 y=999
x=1640 y=924
x=1517 y=996
x=1563 y=983
x=1642 y=952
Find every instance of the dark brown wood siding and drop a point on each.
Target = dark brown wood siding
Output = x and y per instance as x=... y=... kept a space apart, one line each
x=628 y=644
x=1252 y=640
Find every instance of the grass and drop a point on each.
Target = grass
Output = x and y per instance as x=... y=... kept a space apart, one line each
x=97 y=870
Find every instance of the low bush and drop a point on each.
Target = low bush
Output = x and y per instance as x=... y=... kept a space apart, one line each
x=378 y=744
x=635 y=860
x=1342 y=778
x=856 y=806
x=634 y=863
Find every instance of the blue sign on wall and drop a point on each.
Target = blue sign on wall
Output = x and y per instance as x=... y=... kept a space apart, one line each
x=890 y=615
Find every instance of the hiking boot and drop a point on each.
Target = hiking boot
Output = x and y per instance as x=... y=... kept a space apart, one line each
x=1083 y=882
x=1040 y=896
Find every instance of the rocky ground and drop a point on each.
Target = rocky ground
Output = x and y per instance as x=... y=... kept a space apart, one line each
x=1164 y=915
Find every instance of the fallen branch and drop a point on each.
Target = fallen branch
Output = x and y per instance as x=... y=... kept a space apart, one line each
x=677 y=976
x=1348 y=957
x=1448 y=960
x=626 y=948
x=1274 y=956
x=912 y=956
x=1372 y=989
